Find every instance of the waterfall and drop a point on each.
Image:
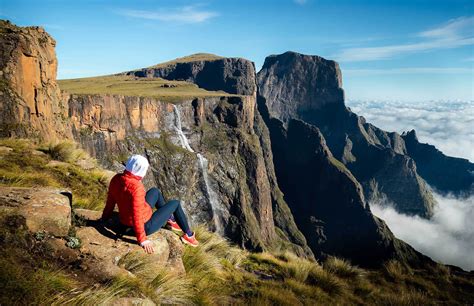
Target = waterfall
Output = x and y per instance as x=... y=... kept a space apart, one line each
x=177 y=126
x=211 y=195
x=203 y=164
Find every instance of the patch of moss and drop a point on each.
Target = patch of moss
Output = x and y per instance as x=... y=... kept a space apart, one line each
x=214 y=139
x=164 y=143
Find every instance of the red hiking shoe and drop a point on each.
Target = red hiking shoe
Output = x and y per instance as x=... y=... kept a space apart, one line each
x=173 y=226
x=190 y=240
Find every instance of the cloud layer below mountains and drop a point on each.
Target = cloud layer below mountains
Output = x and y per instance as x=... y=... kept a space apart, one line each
x=447 y=238
x=447 y=125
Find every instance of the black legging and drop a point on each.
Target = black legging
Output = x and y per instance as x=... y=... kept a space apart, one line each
x=155 y=199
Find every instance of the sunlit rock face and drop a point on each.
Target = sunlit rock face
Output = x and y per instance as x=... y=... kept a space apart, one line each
x=30 y=100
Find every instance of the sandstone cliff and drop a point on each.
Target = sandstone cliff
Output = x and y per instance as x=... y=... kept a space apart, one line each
x=309 y=88
x=30 y=101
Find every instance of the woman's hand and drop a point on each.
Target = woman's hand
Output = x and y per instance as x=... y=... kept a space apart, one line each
x=147 y=245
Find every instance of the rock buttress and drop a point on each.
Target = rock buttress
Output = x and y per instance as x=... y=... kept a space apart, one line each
x=309 y=88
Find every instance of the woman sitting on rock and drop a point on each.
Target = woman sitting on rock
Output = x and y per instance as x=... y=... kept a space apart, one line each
x=135 y=207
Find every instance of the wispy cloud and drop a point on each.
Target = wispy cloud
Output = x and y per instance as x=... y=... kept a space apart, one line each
x=186 y=14
x=455 y=28
x=455 y=33
x=413 y=70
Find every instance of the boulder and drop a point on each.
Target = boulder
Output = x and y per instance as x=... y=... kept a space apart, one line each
x=102 y=242
x=45 y=209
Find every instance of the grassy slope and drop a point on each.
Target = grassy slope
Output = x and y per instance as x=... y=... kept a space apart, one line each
x=217 y=273
x=130 y=86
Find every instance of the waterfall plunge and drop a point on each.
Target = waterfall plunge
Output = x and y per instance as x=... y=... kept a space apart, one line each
x=203 y=164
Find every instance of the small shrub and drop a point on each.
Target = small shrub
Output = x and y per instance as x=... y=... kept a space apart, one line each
x=73 y=242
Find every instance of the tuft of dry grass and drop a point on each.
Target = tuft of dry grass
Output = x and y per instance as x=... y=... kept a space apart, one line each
x=22 y=166
x=328 y=282
x=342 y=268
x=66 y=151
x=396 y=270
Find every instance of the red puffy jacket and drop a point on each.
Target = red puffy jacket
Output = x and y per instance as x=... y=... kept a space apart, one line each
x=127 y=191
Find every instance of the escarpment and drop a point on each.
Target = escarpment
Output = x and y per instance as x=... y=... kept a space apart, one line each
x=293 y=173
x=207 y=148
x=309 y=88
x=205 y=151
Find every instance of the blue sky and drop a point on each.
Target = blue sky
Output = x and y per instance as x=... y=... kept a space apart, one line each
x=397 y=50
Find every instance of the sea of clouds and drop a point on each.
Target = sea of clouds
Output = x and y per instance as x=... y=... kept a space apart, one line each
x=449 y=125
x=448 y=237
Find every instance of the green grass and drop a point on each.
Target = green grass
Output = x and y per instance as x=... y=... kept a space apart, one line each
x=27 y=166
x=142 y=87
x=27 y=275
x=66 y=151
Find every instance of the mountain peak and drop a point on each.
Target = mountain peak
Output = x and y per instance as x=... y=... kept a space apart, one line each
x=294 y=81
x=410 y=135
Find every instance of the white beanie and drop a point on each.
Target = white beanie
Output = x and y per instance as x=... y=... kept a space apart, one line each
x=137 y=165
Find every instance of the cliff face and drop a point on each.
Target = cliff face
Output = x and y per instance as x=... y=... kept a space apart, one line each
x=446 y=174
x=205 y=151
x=30 y=100
x=309 y=88
x=298 y=84
x=327 y=201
